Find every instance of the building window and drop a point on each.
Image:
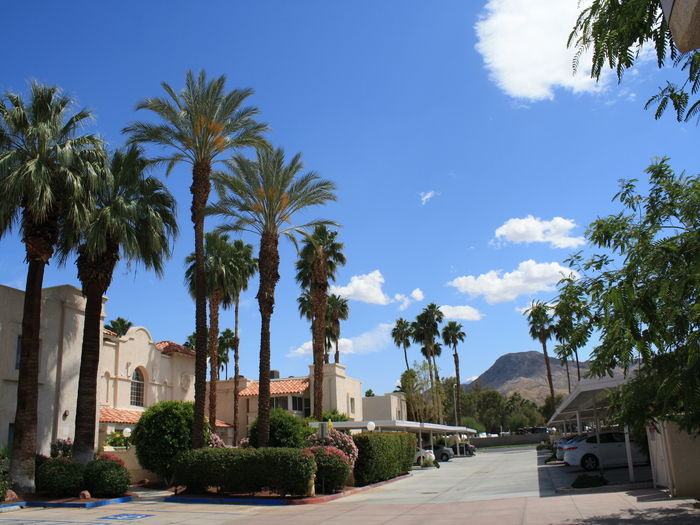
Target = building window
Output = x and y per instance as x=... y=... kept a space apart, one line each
x=352 y=405
x=307 y=407
x=137 y=384
x=298 y=404
x=278 y=402
x=18 y=352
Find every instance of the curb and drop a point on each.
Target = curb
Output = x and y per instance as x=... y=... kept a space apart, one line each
x=606 y=488
x=75 y=505
x=11 y=506
x=274 y=502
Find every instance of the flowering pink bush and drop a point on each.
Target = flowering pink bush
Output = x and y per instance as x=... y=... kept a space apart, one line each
x=332 y=468
x=215 y=441
x=112 y=457
x=338 y=440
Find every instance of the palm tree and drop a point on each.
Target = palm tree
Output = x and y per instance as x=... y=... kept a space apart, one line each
x=261 y=197
x=134 y=219
x=401 y=334
x=452 y=334
x=542 y=329
x=318 y=261
x=198 y=126
x=219 y=275
x=424 y=330
x=47 y=180
x=225 y=346
x=119 y=326
x=245 y=266
x=191 y=341
x=338 y=310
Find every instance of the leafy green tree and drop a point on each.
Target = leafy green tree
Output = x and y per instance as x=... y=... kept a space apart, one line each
x=550 y=406
x=401 y=334
x=491 y=406
x=542 y=329
x=574 y=322
x=261 y=196
x=198 y=126
x=47 y=183
x=134 y=219
x=319 y=258
x=225 y=346
x=617 y=32
x=286 y=430
x=338 y=310
x=452 y=334
x=369 y=393
x=472 y=422
x=119 y=326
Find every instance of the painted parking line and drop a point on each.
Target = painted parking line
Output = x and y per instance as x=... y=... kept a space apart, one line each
x=126 y=517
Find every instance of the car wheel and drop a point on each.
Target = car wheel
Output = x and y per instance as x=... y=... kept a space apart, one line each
x=444 y=457
x=589 y=462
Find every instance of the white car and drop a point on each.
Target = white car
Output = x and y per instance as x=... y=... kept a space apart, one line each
x=425 y=454
x=561 y=444
x=611 y=451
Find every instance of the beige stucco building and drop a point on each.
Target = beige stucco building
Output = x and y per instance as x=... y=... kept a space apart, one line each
x=389 y=407
x=134 y=371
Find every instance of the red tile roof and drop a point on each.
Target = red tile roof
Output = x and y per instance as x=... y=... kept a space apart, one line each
x=171 y=347
x=295 y=385
x=131 y=417
x=109 y=333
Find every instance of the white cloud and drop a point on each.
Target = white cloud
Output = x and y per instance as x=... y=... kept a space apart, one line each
x=426 y=196
x=374 y=340
x=366 y=288
x=417 y=294
x=405 y=301
x=498 y=287
x=556 y=232
x=523 y=43
x=465 y=313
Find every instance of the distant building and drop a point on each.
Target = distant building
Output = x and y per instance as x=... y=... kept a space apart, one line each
x=389 y=407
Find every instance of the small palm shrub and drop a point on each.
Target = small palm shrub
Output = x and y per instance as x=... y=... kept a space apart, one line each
x=286 y=430
x=332 y=468
x=339 y=440
x=106 y=477
x=59 y=477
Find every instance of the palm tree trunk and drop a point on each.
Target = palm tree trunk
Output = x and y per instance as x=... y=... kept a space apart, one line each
x=213 y=356
x=23 y=454
x=459 y=387
x=337 y=350
x=578 y=366
x=405 y=356
x=568 y=378
x=236 y=372
x=549 y=370
x=319 y=302
x=269 y=261
x=438 y=391
x=200 y=188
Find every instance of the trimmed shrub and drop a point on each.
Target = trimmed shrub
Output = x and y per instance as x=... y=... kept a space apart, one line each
x=201 y=468
x=286 y=430
x=164 y=430
x=383 y=455
x=112 y=457
x=106 y=477
x=5 y=481
x=336 y=439
x=60 y=477
x=332 y=469
x=286 y=470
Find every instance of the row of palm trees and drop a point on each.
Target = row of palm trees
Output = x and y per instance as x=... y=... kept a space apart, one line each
x=68 y=195
x=425 y=331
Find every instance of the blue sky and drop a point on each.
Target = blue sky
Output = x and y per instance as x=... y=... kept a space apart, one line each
x=441 y=123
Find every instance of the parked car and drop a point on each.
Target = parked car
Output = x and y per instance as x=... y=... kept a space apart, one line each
x=561 y=444
x=611 y=451
x=425 y=454
x=443 y=453
x=464 y=448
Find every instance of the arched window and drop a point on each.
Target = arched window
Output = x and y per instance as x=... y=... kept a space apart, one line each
x=137 y=384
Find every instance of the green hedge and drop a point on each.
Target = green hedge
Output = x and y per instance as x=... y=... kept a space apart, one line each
x=106 y=477
x=280 y=470
x=332 y=469
x=60 y=477
x=383 y=455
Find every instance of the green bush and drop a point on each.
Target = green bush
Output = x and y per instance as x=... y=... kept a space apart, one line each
x=383 y=455
x=62 y=448
x=286 y=430
x=585 y=481
x=281 y=470
x=106 y=477
x=164 y=430
x=117 y=439
x=60 y=477
x=5 y=481
x=332 y=469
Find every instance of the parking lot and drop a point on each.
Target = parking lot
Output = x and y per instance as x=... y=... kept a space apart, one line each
x=504 y=486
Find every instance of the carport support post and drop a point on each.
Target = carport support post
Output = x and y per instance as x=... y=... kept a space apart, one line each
x=578 y=423
x=597 y=439
x=628 y=449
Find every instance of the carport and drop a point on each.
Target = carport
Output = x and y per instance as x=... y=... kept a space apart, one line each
x=588 y=402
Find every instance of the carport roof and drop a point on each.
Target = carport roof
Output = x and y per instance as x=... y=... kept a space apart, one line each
x=586 y=397
x=398 y=424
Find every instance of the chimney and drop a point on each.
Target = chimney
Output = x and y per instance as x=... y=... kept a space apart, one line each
x=274 y=374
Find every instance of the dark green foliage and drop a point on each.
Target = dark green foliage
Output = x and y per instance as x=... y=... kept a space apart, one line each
x=286 y=430
x=383 y=455
x=332 y=469
x=60 y=477
x=280 y=470
x=585 y=481
x=62 y=448
x=334 y=415
x=164 y=430
x=5 y=481
x=106 y=478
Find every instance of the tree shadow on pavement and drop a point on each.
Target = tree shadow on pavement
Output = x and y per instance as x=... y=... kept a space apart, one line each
x=680 y=515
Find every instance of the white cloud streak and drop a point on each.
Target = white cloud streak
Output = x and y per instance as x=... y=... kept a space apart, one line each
x=375 y=340
x=498 y=287
x=426 y=196
x=366 y=288
x=523 y=43
x=556 y=232
x=464 y=313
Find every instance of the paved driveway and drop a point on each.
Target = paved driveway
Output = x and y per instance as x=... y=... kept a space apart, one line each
x=494 y=488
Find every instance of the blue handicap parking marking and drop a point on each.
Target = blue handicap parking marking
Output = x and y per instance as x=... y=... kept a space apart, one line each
x=126 y=517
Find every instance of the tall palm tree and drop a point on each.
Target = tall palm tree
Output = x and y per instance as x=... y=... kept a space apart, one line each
x=47 y=181
x=319 y=258
x=542 y=329
x=452 y=334
x=134 y=219
x=219 y=275
x=224 y=347
x=119 y=326
x=338 y=310
x=198 y=126
x=401 y=334
x=262 y=196
x=245 y=267
x=424 y=330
